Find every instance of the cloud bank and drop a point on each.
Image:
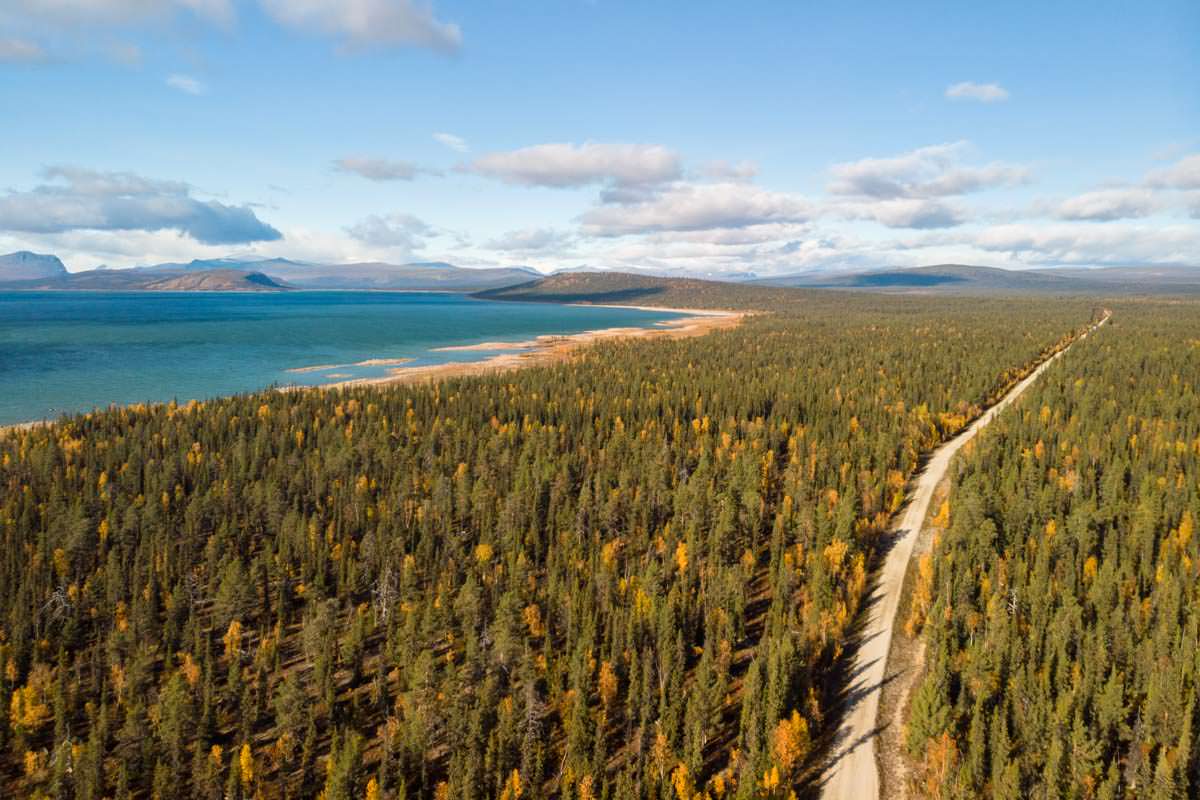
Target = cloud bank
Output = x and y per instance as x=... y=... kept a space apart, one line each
x=82 y=199
x=572 y=166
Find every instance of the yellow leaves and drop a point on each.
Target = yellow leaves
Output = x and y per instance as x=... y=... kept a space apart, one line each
x=28 y=709
x=922 y=596
x=264 y=412
x=835 y=554
x=512 y=787
x=191 y=670
x=1186 y=528
x=832 y=497
x=682 y=781
x=1051 y=529
x=608 y=684
x=585 y=788
x=122 y=620
x=34 y=762
x=215 y=754
x=681 y=557
x=770 y=780
x=642 y=603
x=609 y=552
x=60 y=562
x=373 y=790
x=233 y=639
x=941 y=757
x=483 y=553
x=246 y=762
x=790 y=741
x=533 y=620
x=942 y=518
x=1039 y=450
x=749 y=560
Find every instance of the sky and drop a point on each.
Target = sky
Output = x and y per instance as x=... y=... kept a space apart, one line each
x=699 y=137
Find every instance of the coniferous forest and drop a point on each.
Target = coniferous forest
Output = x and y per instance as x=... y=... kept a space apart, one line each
x=632 y=575
x=1061 y=608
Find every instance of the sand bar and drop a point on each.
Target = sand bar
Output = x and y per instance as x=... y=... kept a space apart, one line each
x=552 y=349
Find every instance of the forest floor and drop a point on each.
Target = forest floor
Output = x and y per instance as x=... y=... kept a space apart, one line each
x=852 y=772
x=553 y=349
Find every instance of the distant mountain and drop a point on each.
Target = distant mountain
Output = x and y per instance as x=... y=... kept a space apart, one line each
x=663 y=272
x=379 y=275
x=30 y=272
x=623 y=288
x=128 y=280
x=26 y=266
x=424 y=275
x=215 y=280
x=967 y=279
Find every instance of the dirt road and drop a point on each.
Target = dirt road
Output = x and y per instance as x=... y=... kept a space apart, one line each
x=852 y=773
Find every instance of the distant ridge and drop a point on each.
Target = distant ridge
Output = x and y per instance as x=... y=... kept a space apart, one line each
x=216 y=280
x=27 y=271
x=970 y=279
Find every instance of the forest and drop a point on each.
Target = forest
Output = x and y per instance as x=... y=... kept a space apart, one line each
x=1061 y=604
x=632 y=575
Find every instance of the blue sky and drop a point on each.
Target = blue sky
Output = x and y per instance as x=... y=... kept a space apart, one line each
x=699 y=137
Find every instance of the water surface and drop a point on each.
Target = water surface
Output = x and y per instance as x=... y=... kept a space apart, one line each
x=64 y=352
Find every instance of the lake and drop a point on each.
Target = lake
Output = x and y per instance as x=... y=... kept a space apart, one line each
x=66 y=352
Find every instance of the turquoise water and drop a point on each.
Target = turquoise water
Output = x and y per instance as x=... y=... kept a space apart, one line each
x=69 y=352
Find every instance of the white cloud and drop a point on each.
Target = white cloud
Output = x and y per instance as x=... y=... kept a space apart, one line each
x=530 y=240
x=690 y=207
x=570 y=165
x=186 y=84
x=401 y=231
x=1086 y=244
x=926 y=172
x=14 y=51
x=1184 y=174
x=1105 y=205
x=982 y=92
x=367 y=23
x=456 y=143
x=379 y=169
x=904 y=212
x=118 y=12
x=81 y=199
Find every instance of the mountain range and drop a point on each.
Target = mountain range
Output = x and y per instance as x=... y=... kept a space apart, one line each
x=967 y=279
x=32 y=271
x=35 y=272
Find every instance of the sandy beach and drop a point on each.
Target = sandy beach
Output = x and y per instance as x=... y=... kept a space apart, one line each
x=20 y=426
x=552 y=349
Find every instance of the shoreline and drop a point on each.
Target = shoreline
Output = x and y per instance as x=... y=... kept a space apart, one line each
x=540 y=351
x=549 y=348
x=24 y=426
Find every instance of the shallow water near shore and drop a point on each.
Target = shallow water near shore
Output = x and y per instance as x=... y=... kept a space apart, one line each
x=69 y=352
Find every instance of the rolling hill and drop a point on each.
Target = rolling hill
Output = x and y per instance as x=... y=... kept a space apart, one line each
x=968 y=279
